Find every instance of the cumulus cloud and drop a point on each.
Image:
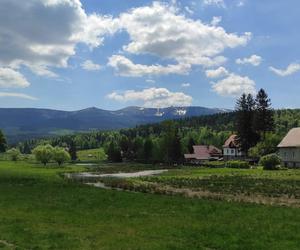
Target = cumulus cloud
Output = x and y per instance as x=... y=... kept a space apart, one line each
x=185 y=85
x=42 y=34
x=160 y=30
x=10 y=78
x=90 y=66
x=291 y=69
x=216 y=73
x=254 y=60
x=234 y=85
x=153 y=97
x=48 y=36
x=125 y=67
x=17 y=95
x=218 y=3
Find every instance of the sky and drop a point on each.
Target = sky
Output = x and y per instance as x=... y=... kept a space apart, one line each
x=75 y=54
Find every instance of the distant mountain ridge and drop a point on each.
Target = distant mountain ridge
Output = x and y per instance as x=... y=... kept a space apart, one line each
x=24 y=123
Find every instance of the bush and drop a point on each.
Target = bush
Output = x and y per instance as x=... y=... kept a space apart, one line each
x=237 y=164
x=14 y=154
x=270 y=162
x=214 y=164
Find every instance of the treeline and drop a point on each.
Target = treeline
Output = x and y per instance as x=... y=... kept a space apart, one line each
x=165 y=142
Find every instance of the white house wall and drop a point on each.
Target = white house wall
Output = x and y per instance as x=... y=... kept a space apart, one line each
x=231 y=152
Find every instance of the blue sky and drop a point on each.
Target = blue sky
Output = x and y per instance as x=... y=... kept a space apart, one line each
x=71 y=54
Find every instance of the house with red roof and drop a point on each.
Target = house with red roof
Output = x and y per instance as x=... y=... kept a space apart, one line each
x=203 y=153
x=232 y=149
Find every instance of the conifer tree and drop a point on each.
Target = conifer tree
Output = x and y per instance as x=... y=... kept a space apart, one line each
x=246 y=135
x=264 y=114
x=73 y=150
x=148 y=149
x=190 y=145
x=3 y=144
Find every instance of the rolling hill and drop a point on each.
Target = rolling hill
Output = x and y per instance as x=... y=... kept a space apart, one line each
x=25 y=123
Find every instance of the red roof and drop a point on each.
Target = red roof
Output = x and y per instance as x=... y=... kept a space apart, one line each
x=204 y=152
x=231 y=142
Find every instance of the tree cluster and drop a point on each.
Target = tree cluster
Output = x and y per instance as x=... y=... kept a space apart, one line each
x=47 y=153
x=254 y=118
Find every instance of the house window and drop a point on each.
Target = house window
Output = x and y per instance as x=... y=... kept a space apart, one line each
x=232 y=151
x=293 y=155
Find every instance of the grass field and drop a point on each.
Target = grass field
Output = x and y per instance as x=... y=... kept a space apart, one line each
x=92 y=155
x=41 y=210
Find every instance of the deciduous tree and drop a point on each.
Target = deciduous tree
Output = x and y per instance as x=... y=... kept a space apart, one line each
x=43 y=153
x=60 y=155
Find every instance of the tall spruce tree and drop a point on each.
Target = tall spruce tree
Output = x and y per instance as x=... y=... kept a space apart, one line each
x=73 y=150
x=171 y=143
x=3 y=144
x=148 y=149
x=190 y=145
x=246 y=135
x=264 y=114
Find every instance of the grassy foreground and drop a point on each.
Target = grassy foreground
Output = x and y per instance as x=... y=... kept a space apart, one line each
x=40 y=210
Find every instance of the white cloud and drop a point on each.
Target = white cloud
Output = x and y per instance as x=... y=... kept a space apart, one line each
x=125 y=67
x=189 y=10
x=234 y=85
x=17 y=95
x=48 y=34
x=160 y=30
x=90 y=66
x=217 y=73
x=42 y=70
x=218 y=3
x=10 y=78
x=154 y=97
x=216 y=20
x=254 y=60
x=185 y=85
x=241 y=3
x=150 y=81
x=291 y=69
x=95 y=27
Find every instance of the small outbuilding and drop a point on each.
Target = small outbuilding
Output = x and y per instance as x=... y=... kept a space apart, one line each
x=289 y=148
x=232 y=149
x=203 y=153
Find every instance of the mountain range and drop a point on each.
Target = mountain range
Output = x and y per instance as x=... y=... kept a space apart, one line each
x=26 y=123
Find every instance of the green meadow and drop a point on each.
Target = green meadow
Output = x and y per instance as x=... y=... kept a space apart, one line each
x=39 y=209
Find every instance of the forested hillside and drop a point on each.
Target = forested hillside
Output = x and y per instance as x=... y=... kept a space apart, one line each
x=210 y=129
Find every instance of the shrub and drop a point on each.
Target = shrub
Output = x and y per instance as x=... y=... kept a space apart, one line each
x=270 y=162
x=14 y=154
x=43 y=153
x=214 y=164
x=237 y=164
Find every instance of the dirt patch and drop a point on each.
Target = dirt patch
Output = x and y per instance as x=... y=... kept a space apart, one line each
x=6 y=244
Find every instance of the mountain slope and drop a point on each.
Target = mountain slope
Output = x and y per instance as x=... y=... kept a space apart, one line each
x=28 y=122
